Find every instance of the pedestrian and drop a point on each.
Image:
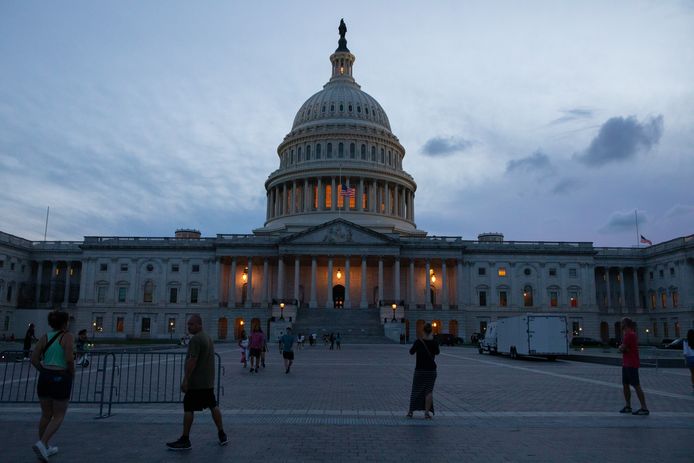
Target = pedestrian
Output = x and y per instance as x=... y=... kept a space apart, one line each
x=338 y=341
x=688 y=348
x=422 y=395
x=243 y=344
x=256 y=343
x=287 y=341
x=332 y=341
x=630 y=367
x=81 y=357
x=29 y=338
x=263 y=350
x=54 y=359
x=198 y=384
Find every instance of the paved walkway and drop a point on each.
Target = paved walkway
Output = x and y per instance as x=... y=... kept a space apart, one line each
x=349 y=405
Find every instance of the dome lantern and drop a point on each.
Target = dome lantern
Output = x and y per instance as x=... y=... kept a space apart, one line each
x=342 y=60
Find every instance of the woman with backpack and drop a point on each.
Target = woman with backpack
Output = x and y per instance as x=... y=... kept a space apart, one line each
x=54 y=359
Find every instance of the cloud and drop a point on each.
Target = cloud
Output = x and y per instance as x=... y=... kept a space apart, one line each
x=620 y=139
x=537 y=162
x=572 y=115
x=566 y=185
x=445 y=146
x=679 y=210
x=621 y=221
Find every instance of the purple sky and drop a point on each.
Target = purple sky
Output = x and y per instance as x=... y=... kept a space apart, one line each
x=541 y=120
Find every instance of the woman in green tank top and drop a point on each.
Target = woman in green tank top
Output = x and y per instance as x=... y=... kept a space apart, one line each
x=53 y=357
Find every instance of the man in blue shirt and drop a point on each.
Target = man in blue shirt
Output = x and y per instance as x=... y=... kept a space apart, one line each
x=287 y=342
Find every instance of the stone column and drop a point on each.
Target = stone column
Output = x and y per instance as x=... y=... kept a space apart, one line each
x=321 y=195
x=39 y=277
x=164 y=272
x=83 y=282
x=51 y=290
x=134 y=283
x=347 y=302
x=249 y=284
x=386 y=192
x=396 y=202
x=280 y=278
x=622 y=304
x=232 y=283
x=364 y=302
x=609 y=292
x=67 y=283
x=297 y=278
x=329 y=297
x=313 y=302
x=444 y=285
x=636 y=288
x=380 y=280
x=307 y=197
x=427 y=287
x=216 y=290
x=410 y=287
x=373 y=197
x=413 y=206
x=396 y=280
x=333 y=195
x=360 y=197
x=266 y=277
x=293 y=209
x=459 y=283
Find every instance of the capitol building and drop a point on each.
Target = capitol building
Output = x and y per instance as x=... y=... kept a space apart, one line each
x=340 y=251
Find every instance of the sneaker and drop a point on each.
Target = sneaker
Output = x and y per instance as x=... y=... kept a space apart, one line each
x=52 y=450
x=223 y=440
x=642 y=412
x=287 y=370
x=183 y=443
x=40 y=450
x=625 y=410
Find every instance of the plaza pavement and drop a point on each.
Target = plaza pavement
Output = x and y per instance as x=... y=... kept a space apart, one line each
x=349 y=405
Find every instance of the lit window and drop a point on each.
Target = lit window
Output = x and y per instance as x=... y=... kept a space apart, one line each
x=653 y=301
x=120 y=324
x=340 y=198
x=663 y=299
x=501 y=272
x=553 y=299
x=573 y=298
x=328 y=196
x=675 y=299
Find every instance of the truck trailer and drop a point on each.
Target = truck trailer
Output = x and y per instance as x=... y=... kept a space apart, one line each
x=537 y=335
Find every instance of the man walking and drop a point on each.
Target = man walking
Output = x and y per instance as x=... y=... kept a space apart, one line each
x=29 y=338
x=287 y=342
x=630 y=367
x=198 y=384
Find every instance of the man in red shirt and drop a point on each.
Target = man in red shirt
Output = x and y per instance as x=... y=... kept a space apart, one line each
x=630 y=367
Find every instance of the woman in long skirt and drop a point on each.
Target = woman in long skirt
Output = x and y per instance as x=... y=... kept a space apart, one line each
x=422 y=396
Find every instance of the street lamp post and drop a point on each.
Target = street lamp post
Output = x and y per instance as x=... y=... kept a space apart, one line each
x=281 y=310
x=394 y=307
x=171 y=330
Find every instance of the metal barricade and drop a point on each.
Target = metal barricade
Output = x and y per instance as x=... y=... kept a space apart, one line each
x=125 y=377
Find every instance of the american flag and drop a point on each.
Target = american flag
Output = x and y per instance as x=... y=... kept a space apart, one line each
x=349 y=192
x=645 y=240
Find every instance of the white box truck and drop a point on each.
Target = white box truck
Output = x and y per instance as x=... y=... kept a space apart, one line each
x=543 y=335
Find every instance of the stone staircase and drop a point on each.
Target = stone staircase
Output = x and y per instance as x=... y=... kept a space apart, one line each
x=356 y=326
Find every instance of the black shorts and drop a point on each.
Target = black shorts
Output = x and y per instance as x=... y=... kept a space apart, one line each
x=630 y=376
x=196 y=400
x=288 y=355
x=255 y=352
x=56 y=385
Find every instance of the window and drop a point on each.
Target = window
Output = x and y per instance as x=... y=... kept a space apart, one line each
x=122 y=291
x=9 y=293
x=194 y=295
x=308 y=153
x=349 y=108
x=575 y=328
x=390 y=157
x=573 y=273
x=358 y=108
x=101 y=294
x=318 y=151
x=666 y=331
x=196 y=268
x=503 y=299
x=340 y=150
x=383 y=156
x=298 y=155
x=328 y=196
x=6 y=323
x=2 y=263
x=373 y=154
x=501 y=271
x=149 y=289
x=24 y=267
x=12 y=266
x=573 y=298
x=527 y=272
x=675 y=299
x=329 y=153
x=483 y=298
x=483 y=327
x=145 y=325
x=173 y=295
x=553 y=298
x=528 y=296
x=663 y=299
x=103 y=267
x=120 y=324
x=352 y=151
x=342 y=107
x=660 y=273
x=672 y=271
x=171 y=326
x=650 y=275
x=99 y=324
x=363 y=152
x=174 y=267
x=481 y=271
x=552 y=272
x=653 y=301
x=150 y=267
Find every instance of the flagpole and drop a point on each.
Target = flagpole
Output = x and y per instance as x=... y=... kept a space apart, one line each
x=45 y=230
x=339 y=195
x=636 y=218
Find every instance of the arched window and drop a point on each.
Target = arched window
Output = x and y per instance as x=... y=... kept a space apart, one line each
x=340 y=150
x=308 y=152
x=527 y=296
x=298 y=155
x=390 y=155
x=318 y=150
x=291 y=157
x=342 y=107
x=323 y=109
x=366 y=109
x=349 y=108
x=332 y=107
x=149 y=289
x=329 y=151
x=358 y=109
x=373 y=154
x=383 y=156
x=352 y=151
x=363 y=152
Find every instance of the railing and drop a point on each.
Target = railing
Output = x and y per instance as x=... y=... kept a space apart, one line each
x=109 y=378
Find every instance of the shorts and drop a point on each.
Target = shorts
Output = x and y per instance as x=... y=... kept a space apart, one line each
x=56 y=385
x=630 y=376
x=690 y=361
x=255 y=352
x=197 y=400
x=288 y=355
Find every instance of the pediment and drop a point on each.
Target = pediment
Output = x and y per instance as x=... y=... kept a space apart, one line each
x=339 y=231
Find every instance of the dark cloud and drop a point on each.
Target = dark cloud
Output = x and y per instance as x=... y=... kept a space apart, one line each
x=537 y=162
x=566 y=185
x=445 y=146
x=620 y=139
x=679 y=210
x=620 y=221
x=572 y=115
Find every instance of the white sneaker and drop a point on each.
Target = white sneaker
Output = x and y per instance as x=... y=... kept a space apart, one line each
x=52 y=450
x=40 y=451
